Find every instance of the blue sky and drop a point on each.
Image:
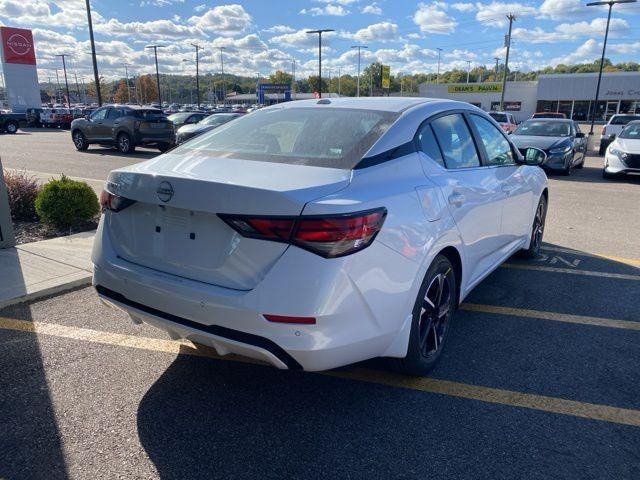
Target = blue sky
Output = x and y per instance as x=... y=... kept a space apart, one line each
x=260 y=36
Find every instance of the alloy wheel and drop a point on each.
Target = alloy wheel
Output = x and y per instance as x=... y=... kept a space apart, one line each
x=78 y=140
x=434 y=315
x=11 y=128
x=124 y=143
x=538 y=226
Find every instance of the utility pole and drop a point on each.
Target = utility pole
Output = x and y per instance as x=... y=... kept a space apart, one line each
x=126 y=76
x=77 y=85
x=359 y=47
x=438 y=75
x=497 y=59
x=338 y=81
x=611 y=3
x=96 y=77
x=58 y=95
x=66 y=81
x=224 y=83
x=511 y=18
x=370 y=81
x=84 y=90
x=155 y=52
x=293 y=77
x=320 y=32
x=468 y=69
x=198 y=48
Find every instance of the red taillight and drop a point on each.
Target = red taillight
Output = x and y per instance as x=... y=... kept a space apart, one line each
x=286 y=319
x=329 y=236
x=115 y=203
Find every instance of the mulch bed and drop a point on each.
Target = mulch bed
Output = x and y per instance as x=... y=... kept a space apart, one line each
x=27 y=232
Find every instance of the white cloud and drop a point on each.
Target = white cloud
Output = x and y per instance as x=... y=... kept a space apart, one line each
x=586 y=52
x=378 y=32
x=495 y=13
x=431 y=18
x=463 y=7
x=154 y=29
x=373 y=9
x=224 y=20
x=279 y=29
x=50 y=13
x=572 y=31
x=558 y=9
x=299 y=39
x=331 y=10
x=159 y=3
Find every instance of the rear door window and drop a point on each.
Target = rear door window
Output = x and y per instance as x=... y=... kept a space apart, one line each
x=456 y=142
x=428 y=144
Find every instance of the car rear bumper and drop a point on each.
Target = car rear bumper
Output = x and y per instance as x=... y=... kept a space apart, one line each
x=145 y=138
x=349 y=326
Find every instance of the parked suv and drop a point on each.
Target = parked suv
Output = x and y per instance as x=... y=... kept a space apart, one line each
x=613 y=128
x=506 y=120
x=125 y=127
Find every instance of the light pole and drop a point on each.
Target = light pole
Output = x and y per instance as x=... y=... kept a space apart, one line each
x=511 y=18
x=468 y=69
x=66 y=81
x=198 y=48
x=438 y=74
x=96 y=77
x=155 y=53
x=224 y=83
x=611 y=3
x=293 y=77
x=359 y=47
x=126 y=76
x=320 y=32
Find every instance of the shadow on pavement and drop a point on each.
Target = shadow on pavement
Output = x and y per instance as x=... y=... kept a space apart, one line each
x=206 y=418
x=594 y=175
x=112 y=152
x=30 y=443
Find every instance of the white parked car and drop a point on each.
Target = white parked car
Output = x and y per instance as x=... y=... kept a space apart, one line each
x=319 y=233
x=613 y=128
x=623 y=155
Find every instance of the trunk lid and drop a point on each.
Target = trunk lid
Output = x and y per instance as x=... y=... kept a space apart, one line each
x=173 y=227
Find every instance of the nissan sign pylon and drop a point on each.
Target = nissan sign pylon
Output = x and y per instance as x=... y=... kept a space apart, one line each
x=19 y=67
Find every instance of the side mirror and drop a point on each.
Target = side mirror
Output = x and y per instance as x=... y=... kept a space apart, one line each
x=580 y=135
x=534 y=156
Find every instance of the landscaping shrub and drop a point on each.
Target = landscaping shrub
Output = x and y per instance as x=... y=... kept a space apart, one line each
x=66 y=203
x=22 y=189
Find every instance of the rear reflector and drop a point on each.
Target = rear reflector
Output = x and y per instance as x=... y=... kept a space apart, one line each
x=285 y=319
x=329 y=236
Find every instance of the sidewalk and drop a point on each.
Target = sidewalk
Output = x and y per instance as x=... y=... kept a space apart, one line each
x=37 y=269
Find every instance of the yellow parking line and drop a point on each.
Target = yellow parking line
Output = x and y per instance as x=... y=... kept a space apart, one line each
x=572 y=271
x=558 y=317
x=634 y=262
x=444 y=387
x=543 y=403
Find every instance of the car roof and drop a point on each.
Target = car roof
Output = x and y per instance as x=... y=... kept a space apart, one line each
x=552 y=119
x=388 y=104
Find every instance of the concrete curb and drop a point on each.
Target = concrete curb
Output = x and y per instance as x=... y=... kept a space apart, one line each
x=45 y=292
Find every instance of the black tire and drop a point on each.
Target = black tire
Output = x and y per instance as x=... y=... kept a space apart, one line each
x=581 y=164
x=537 y=230
x=11 y=127
x=124 y=144
x=164 y=147
x=79 y=140
x=608 y=176
x=431 y=317
x=566 y=171
x=602 y=149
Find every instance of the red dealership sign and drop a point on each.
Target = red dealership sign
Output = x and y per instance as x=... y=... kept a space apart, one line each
x=17 y=46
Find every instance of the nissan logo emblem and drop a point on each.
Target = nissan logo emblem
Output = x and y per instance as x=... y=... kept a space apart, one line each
x=165 y=191
x=18 y=44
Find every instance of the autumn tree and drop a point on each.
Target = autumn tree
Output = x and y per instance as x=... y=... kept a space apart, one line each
x=122 y=93
x=146 y=89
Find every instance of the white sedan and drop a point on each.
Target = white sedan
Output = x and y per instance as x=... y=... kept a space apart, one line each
x=315 y=234
x=623 y=154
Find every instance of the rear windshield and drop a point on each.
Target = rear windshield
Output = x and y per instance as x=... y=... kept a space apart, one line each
x=631 y=131
x=319 y=137
x=623 y=119
x=499 y=117
x=148 y=114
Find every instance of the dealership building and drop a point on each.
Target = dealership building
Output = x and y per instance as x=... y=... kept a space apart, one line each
x=571 y=94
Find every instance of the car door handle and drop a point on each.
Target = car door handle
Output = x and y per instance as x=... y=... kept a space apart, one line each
x=508 y=189
x=456 y=199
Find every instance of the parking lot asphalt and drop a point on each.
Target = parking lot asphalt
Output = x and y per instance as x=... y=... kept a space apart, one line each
x=539 y=379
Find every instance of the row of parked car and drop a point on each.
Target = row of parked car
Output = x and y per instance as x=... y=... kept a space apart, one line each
x=129 y=126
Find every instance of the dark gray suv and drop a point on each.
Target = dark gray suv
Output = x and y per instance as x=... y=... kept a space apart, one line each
x=124 y=127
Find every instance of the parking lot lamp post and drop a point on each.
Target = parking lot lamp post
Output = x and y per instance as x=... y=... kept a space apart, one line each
x=359 y=47
x=66 y=81
x=468 y=69
x=126 y=76
x=511 y=18
x=611 y=3
x=93 y=54
x=155 y=53
x=320 y=32
x=57 y=87
x=438 y=74
x=224 y=84
x=198 y=48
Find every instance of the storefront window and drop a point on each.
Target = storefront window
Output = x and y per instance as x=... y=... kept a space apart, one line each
x=630 y=106
x=599 y=111
x=564 y=106
x=581 y=110
x=547 y=106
